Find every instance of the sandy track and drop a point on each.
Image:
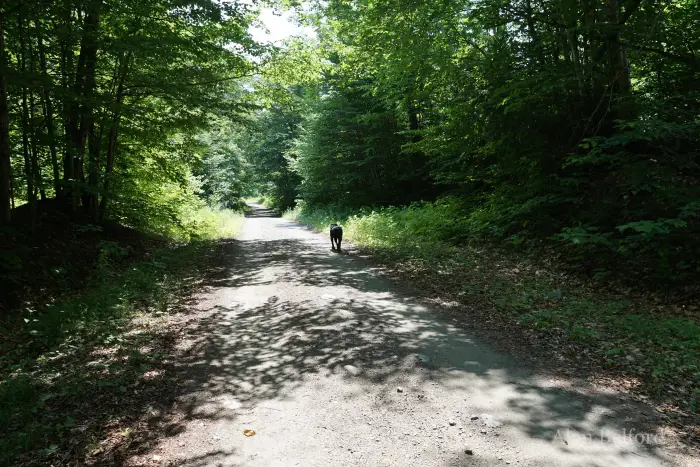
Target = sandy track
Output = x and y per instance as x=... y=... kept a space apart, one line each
x=332 y=365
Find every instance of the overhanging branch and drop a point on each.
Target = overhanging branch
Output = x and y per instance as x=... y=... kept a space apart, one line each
x=197 y=83
x=679 y=58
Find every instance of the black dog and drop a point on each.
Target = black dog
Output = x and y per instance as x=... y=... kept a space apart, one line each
x=336 y=235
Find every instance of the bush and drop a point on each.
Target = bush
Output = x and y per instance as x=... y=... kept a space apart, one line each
x=205 y=223
x=419 y=228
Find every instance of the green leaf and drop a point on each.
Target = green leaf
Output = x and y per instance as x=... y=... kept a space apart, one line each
x=49 y=450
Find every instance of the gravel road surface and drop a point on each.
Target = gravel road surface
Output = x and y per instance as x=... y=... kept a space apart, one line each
x=331 y=364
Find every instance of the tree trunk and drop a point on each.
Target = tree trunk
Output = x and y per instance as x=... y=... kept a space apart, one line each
x=28 y=169
x=616 y=19
x=36 y=167
x=34 y=132
x=589 y=39
x=572 y=40
x=5 y=167
x=69 y=119
x=88 y=54
x=112 y=138
x=618 y=57
x=111 y=154
x=95 y=145
x=48 y=112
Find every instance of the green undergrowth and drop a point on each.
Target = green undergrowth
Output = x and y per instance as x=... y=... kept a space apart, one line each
x=210 y=223
x=640 y=334
x=69 y=369
x=192 y=220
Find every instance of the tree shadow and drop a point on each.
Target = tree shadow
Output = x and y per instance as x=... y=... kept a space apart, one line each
x=254 y=343
x=261 y=211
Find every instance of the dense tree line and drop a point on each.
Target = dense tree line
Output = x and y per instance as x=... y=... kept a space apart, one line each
x=574 y=121
x=100 y=101
x=571 y=120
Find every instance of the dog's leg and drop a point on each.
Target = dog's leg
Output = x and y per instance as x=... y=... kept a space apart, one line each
x=332 y=244
x=339 y=241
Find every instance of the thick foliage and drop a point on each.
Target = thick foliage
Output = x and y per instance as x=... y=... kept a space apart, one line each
x=575 y=122
x=101 y=102
x=117 y=111
x=349 y=152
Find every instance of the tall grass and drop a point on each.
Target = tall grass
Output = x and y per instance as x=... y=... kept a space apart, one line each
x=418 y=229
x=206 y=223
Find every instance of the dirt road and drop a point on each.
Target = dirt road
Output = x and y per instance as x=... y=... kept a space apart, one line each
x=332 y=365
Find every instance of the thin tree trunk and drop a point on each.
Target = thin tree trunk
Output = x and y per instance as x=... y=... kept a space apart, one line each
x=111 y=155
x=5 y=167
x=73 y=130
x=35 y=152
x=588 y=31
x=112 y=138
x=29 y=173
x=95 y=145
x=12 y=190
x=572 y=40
x=48 y=111
x=36 y=167
x=69 y=119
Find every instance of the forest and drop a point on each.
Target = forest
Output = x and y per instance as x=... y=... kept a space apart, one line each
x=440 y=134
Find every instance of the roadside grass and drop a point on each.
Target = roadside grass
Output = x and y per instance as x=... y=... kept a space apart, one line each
x=72 y=370
x=643 y=337
x=209 y=223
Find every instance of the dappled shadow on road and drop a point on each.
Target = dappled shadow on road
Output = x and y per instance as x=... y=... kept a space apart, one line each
x=299 y=263
x=214 y=457
x=241 y=353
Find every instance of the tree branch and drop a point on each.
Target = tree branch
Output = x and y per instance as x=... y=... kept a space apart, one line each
x=198 y=83
x=679 y=58
x=15 y=8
